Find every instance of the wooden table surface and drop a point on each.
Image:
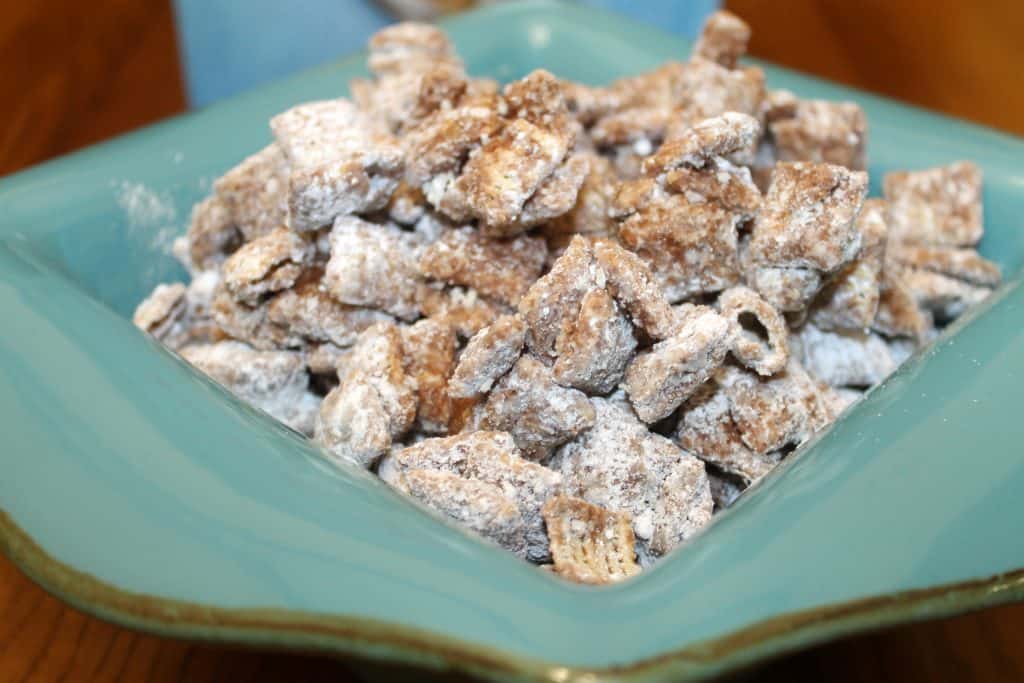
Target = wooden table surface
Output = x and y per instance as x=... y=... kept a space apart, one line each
x=75 y=73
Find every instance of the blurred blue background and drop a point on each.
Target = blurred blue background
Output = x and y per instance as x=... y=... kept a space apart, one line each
x=231 y=45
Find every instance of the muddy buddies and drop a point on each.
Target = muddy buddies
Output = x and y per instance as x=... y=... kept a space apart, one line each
x=578 y=321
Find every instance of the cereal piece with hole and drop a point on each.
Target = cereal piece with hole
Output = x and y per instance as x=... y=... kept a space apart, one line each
x=588 y=543
x=707 y=430
x=850 y=300
x=621 y=466
x=255 y=192
x=490 y=354
x=491 y=457
x=657 y=381
x=474 y=504
x=723 y=39
x=822 y=132
x=772 y=413
x=500 y=269
x=538 y=413
x=266 y=265
x=937 y=206
x=374 y=403
x=375 y=266
x=340 y=162
x=429 y=346
x=273 y=381
x=760 y=337
x=844 y=358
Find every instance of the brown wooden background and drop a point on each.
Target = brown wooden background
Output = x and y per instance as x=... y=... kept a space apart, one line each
x=77 y=72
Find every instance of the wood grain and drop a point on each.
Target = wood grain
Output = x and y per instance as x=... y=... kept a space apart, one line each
x=75 y=73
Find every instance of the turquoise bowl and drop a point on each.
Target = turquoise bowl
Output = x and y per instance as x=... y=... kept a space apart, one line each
x=141 y=492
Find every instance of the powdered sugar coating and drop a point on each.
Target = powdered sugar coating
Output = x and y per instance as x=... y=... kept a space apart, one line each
x=937 y=206
x=499 y=269
x=273 y=381
x=211 y=235
x=823 y=132
x=473 y=504
x=538 y=413
x=488 y=355
x=623 y=467
x=718 y=136
x=659 y=380
x=340 y=162
x=266 y=264
x=845 y=358
x=374 y=265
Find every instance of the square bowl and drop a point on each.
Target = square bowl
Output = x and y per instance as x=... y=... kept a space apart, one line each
x=141 y=492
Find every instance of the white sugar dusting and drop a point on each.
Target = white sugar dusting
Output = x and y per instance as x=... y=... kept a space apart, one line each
x=149 y=211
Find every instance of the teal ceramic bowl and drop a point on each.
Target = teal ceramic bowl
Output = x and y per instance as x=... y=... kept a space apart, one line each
x=139 y=491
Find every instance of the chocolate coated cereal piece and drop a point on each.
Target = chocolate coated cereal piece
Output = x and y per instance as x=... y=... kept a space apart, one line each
x=718 y=136
x=724 y=39
x=850 y=300
x=375 y=266
x=212 y=235
x=474 y=504
x=937 y=206
x=374 y=403
x=594 y=350
x=340 y=161
x=621 y=466
x=845 y=358
x=588 y=543
x=255 y=192
x=265 y=265
x=962 y=264
x=464 y=309
x=499 y=269
x=537 y=412
x=490 y=354
x=429 y=347
x=273 y=381
x=161 y=315
x=898 y=312
x=707 y=430
x=659 y=380
x=822 y=131
x=491 y=457
x=765 y=353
